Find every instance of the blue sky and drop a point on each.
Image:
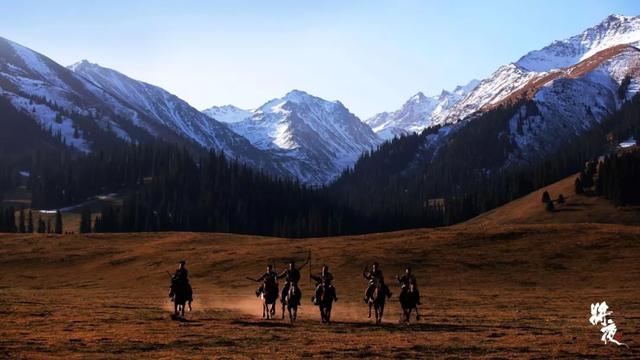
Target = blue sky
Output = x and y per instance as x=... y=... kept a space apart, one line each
x=370 y=55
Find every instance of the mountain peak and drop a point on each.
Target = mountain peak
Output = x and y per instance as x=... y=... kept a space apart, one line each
x=418 y=97
x=81 y=64
x=465 y=89
x=227 y=113
x=296 y=95
x=617 y=17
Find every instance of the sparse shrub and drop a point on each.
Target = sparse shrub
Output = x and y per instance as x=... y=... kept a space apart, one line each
x=561 y=199
x=546 y=198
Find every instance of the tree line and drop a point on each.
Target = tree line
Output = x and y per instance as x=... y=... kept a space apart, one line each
x=27 y=224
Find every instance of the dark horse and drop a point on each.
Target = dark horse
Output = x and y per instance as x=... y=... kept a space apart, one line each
x=409 y=302
x=292 y=301
x=269 y=297
x=377 y=300
x=181 y=295
x=326 y=295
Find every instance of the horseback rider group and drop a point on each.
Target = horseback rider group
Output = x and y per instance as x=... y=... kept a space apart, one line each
x=324 y=286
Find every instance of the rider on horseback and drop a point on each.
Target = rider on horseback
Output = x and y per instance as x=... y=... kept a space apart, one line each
x=269 y=276
x=292 y=277
x=324 y=280
x=407 y=280
x=374 y=275
x=181 y=276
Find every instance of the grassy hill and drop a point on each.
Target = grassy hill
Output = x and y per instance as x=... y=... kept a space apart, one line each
x=577 y=209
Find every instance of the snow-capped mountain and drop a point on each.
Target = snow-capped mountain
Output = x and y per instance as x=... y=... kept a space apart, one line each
x=571 y=100
x=88 y=106
x=418 y=113
x=612 y=31
x=49 y=93
x=320 y=133
x=162 y=110
x=227 y=113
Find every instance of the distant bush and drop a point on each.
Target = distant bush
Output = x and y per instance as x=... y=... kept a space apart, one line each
x=546 y=198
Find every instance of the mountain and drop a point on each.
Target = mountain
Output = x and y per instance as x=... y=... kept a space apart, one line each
x=227 y=113
x=88 y=107
x=161 y=112
x=418 y=113
x=516 y=131
x=59 y=100
x=86 y=104
x=612 y=31
x=322 y=134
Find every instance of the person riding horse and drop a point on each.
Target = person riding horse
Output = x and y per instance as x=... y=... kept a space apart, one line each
x=324 y=282
x=181 y=277
x=269 y=277
x=406 y=281
x=374 y=275
x=292 y=278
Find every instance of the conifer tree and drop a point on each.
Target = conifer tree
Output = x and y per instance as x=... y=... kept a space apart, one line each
x=58 y=228
x=21 y=222
x=30 y=222
x=42 y=227
x=85 y=221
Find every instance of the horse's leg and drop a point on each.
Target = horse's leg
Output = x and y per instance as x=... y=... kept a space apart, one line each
x=370 y=304
x=264 y=309
x=417 y=313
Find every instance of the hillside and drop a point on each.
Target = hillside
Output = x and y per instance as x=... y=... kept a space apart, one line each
x=577 y=209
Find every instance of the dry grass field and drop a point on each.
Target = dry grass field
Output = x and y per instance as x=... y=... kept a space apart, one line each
x=494 y=287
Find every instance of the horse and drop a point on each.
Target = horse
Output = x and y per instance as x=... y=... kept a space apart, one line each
x=181 y=295
x=409 y=302
x=292 y=301
x=325 y=297
x=377 y=300
x=269 y=296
